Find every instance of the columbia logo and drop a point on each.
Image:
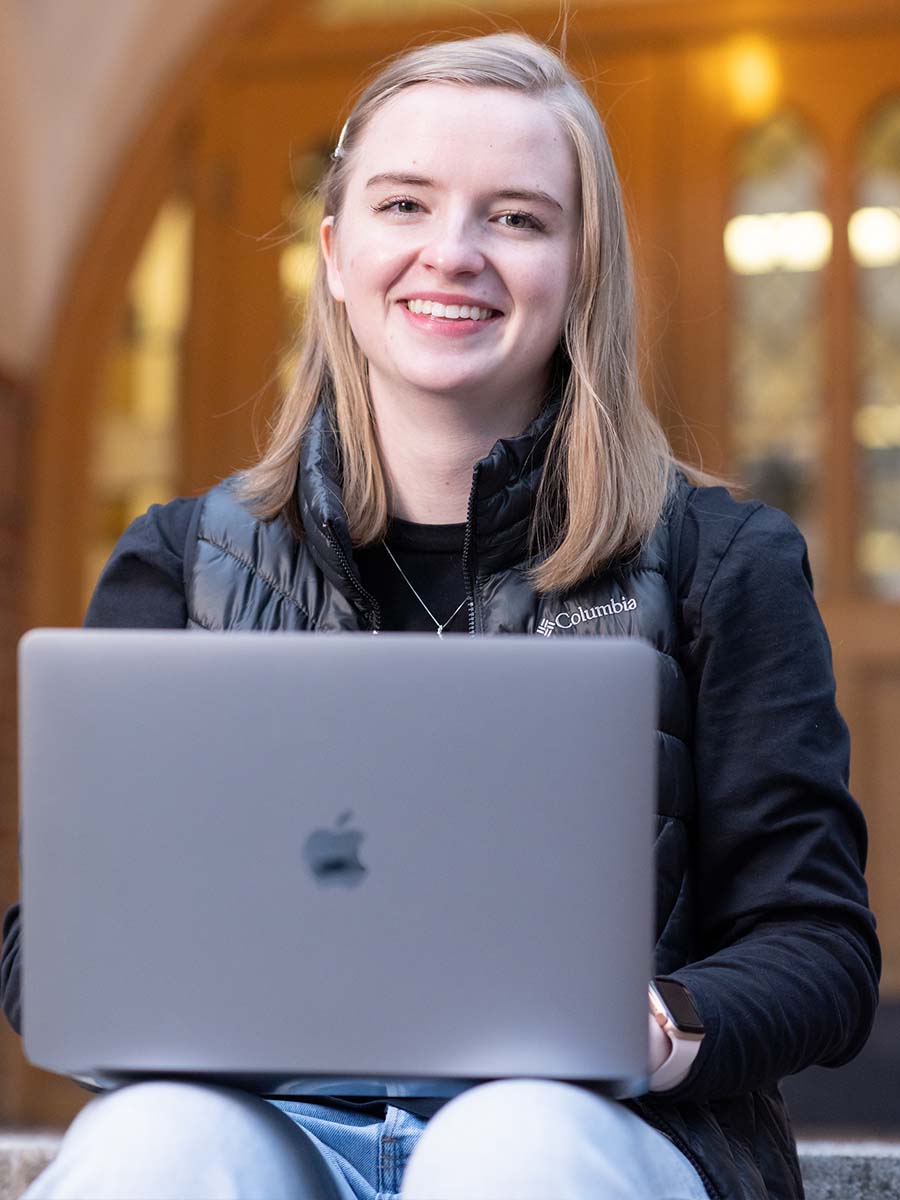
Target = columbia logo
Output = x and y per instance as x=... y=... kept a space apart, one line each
x=566 y=619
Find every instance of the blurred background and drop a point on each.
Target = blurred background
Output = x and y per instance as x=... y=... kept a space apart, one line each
x=156 y=243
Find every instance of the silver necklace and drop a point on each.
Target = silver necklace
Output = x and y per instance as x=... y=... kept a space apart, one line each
x=439 y=626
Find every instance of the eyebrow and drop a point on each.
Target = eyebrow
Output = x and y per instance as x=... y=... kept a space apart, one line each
x=526 y=194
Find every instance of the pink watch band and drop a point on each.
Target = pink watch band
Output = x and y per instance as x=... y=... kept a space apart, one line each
x=677 y=1066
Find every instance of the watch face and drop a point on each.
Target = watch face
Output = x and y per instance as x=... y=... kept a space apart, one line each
x=677 y=1000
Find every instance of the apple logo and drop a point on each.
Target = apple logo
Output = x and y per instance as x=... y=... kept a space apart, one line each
x=333 y=854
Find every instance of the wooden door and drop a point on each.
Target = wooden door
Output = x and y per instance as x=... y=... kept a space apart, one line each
x=833 y=84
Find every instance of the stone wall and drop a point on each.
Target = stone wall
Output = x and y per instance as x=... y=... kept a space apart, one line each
x=65 y=121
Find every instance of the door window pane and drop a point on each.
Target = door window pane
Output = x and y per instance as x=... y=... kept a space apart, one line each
x=777 y=243
x=874 y=234
x=135 y=444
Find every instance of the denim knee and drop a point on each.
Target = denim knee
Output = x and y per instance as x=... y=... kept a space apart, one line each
x=532 y=1139
x=180 y=1141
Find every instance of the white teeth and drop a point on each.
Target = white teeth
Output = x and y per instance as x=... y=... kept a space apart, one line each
x=450 y=312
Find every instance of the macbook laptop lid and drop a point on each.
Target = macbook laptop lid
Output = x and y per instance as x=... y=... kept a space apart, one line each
x=341 y=865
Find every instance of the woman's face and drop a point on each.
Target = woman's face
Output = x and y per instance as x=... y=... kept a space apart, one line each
x=462 y=197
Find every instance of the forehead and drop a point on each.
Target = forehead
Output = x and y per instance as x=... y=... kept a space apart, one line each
x=489 y=135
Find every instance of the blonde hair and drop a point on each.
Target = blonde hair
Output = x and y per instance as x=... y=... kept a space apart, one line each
x=608 y=464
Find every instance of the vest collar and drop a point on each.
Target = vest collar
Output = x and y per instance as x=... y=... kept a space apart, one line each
x=500 y=501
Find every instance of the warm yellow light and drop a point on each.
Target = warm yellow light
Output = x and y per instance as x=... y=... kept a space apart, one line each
x=756 y=244
x=877 y=426
x=753 y=76
x=805 y=241
x=879 y=552
x=750 y=245
x=160 y=291
x=297 y=267
x=161 y=281
x=875 y=236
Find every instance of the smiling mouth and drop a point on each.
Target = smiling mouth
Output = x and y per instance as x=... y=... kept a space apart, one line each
x=451 y=312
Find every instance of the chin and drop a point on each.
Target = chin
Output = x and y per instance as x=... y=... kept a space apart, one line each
x=445 y=377
x=451 y=385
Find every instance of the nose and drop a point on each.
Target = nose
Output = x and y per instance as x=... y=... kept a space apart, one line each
x=453 y=250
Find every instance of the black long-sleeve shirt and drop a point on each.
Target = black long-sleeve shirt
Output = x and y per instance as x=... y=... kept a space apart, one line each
x=781 y=844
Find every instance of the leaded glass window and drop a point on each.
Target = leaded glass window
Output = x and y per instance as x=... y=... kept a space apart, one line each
x=135 y=442
x=874 y=234
x=297 y=263
x=777 y=243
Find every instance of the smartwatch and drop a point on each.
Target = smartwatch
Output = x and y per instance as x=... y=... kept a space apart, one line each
x=683 y=1025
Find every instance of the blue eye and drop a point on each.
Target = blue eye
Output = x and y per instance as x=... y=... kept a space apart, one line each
x=520 y=220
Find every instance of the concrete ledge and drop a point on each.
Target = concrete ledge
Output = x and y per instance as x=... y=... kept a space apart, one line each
x=23 y=1155
x=831 y=1170
x=850 y=1170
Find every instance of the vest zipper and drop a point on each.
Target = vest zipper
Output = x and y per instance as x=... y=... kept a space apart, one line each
x=369 y=602
x=468 y=569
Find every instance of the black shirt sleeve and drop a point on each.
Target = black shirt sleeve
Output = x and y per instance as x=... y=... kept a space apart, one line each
x=141 y=587
x=787 y=974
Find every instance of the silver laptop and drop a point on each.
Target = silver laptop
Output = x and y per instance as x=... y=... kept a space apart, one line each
x=343 y=865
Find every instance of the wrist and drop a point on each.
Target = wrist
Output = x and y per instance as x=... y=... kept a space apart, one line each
x=660 y=1045
x=676 y=1017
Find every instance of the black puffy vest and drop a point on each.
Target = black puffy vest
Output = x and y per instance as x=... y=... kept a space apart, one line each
x=248 y=574
x=243 y=573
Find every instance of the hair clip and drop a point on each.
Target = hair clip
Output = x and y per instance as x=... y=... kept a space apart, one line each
x=338 y=151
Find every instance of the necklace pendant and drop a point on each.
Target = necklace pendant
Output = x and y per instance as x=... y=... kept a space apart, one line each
x=440 y=631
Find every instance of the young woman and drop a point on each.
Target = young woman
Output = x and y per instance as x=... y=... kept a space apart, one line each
x=465 y=449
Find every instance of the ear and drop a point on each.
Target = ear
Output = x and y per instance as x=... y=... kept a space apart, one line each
x=327 y=240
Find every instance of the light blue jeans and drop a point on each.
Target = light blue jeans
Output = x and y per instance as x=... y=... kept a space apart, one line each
x=509 y=1140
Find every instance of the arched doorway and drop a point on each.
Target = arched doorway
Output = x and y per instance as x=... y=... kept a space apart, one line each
x=236 y=151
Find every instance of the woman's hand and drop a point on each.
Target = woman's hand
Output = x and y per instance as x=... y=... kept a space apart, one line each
x=660 y=1043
